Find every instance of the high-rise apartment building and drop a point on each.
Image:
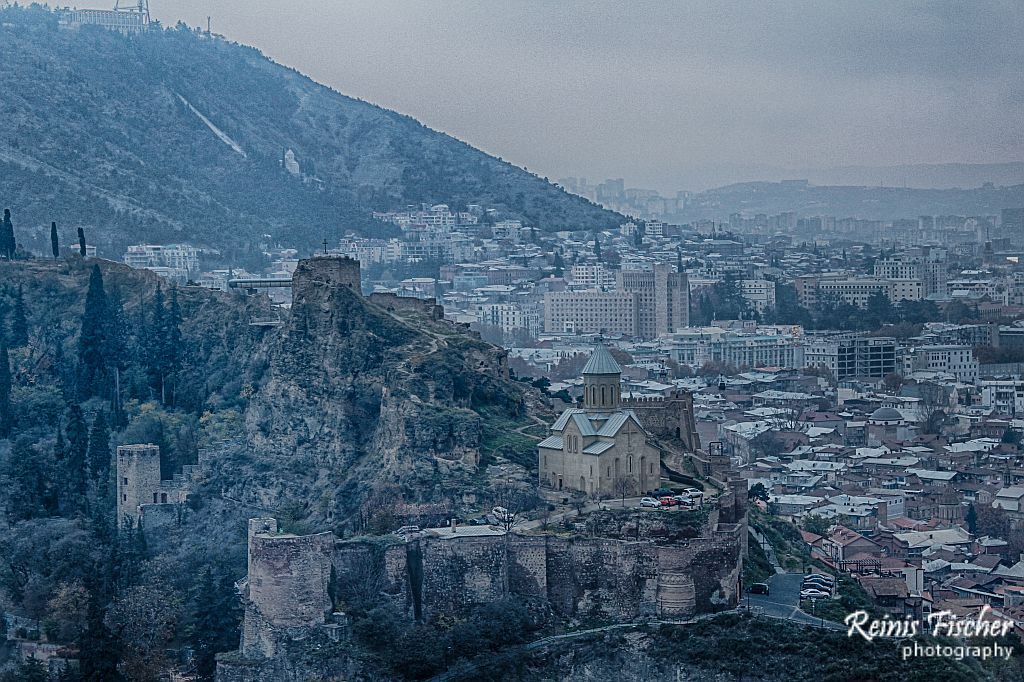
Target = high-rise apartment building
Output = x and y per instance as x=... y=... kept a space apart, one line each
x=663 y=299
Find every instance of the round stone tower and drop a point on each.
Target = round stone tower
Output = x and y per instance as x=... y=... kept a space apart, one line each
x=602 y=382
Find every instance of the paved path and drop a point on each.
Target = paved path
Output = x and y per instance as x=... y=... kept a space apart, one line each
x=767 y=547
x=783 y=598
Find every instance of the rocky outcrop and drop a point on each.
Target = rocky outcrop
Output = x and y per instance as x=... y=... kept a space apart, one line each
x=359 y=398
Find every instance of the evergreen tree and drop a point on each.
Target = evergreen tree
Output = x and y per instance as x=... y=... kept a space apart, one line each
x=19 y=321
x=99 y=647
x=215 y=603
x=558 y=264
x=679 y=259
x=27 y=492
x=54 y=241
x=972 y=520
x=81 y=242
x=6 y=418
x=99 y=448
x=77 y=463
x=8 y=244
x=156 y=340
x=173 y=345
x=116 y=353
x=597 y=247
x=92 y=339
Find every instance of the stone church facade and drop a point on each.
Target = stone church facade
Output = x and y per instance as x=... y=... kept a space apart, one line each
x=592 y=448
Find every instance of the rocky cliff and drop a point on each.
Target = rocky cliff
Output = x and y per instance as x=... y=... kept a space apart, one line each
x=360 y=399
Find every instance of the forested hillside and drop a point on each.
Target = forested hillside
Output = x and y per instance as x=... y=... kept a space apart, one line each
x=108 y=132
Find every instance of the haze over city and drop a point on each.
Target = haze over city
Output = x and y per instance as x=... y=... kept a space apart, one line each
x=566 y=341
x=668 y=95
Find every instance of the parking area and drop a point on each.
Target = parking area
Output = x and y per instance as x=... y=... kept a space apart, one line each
x=783 y=600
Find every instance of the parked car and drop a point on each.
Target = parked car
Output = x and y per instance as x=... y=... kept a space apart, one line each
x=686 y=502
x=820 y=576
x=813 y=594
x=818 y=582
x=758 y=588
x=649 y=502
x=668 y=501
x=661 y=492
x=694 y=493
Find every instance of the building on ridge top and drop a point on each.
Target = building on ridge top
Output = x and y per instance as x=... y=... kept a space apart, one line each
x=592 y=448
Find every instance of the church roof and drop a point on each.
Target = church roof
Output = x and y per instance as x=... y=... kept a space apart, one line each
x=584 y=425
x=598 y=447
x=601 y=362
x=553 y=442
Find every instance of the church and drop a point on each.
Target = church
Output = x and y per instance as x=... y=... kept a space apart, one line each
x=589 y=449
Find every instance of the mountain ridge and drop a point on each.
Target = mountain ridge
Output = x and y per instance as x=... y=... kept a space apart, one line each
x=118 y=135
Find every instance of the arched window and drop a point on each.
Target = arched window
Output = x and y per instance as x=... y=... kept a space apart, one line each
x=602 y=397
x=631 y=464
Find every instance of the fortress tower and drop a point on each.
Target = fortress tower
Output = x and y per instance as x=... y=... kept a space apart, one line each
x=288 y=586
x=138 y=481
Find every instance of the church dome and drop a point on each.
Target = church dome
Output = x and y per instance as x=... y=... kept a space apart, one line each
x=601 y=362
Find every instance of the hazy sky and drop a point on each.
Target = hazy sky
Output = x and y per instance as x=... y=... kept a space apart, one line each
x=666 y=93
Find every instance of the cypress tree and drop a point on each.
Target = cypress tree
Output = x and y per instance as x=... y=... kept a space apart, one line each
x=99 y=647
x=172 y=343
x=8 y=245
x=597 y=247
x=99 y=448
x=54 y=241
x=215 y=602
x=92 y=339
x=116 y=353
x=81 y=242
x=78 y=453
x=156 y=340
x=6 y=418
x=19 y=321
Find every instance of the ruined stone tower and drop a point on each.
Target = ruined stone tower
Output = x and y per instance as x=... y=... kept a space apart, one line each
x=138 y=481
x=288 y=586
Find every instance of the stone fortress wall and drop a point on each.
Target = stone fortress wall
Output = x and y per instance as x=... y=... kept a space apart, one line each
x=667 y=417
x=441 y=576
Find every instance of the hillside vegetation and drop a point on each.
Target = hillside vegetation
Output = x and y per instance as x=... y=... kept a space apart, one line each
x=107 y=132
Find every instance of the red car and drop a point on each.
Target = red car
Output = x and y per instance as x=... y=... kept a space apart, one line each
x=669 y=501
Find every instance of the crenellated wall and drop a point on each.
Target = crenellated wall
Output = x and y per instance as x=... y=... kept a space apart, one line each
x=668 y=417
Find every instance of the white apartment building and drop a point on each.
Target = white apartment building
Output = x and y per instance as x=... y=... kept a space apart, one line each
x=510 y=316
x=956 y=360
x=1003 y=395
x=698 y=346
x=857 y=291
x=173 y=261
x=592 y=277
x=580 y=312
x=758 y=293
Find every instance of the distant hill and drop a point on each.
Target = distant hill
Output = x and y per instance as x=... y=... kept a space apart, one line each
x=174 y=135
x=871 y=203
x=920 y=176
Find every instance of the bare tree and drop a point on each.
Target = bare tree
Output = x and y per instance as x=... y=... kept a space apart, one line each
x=623 y=486
x=511 y=502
